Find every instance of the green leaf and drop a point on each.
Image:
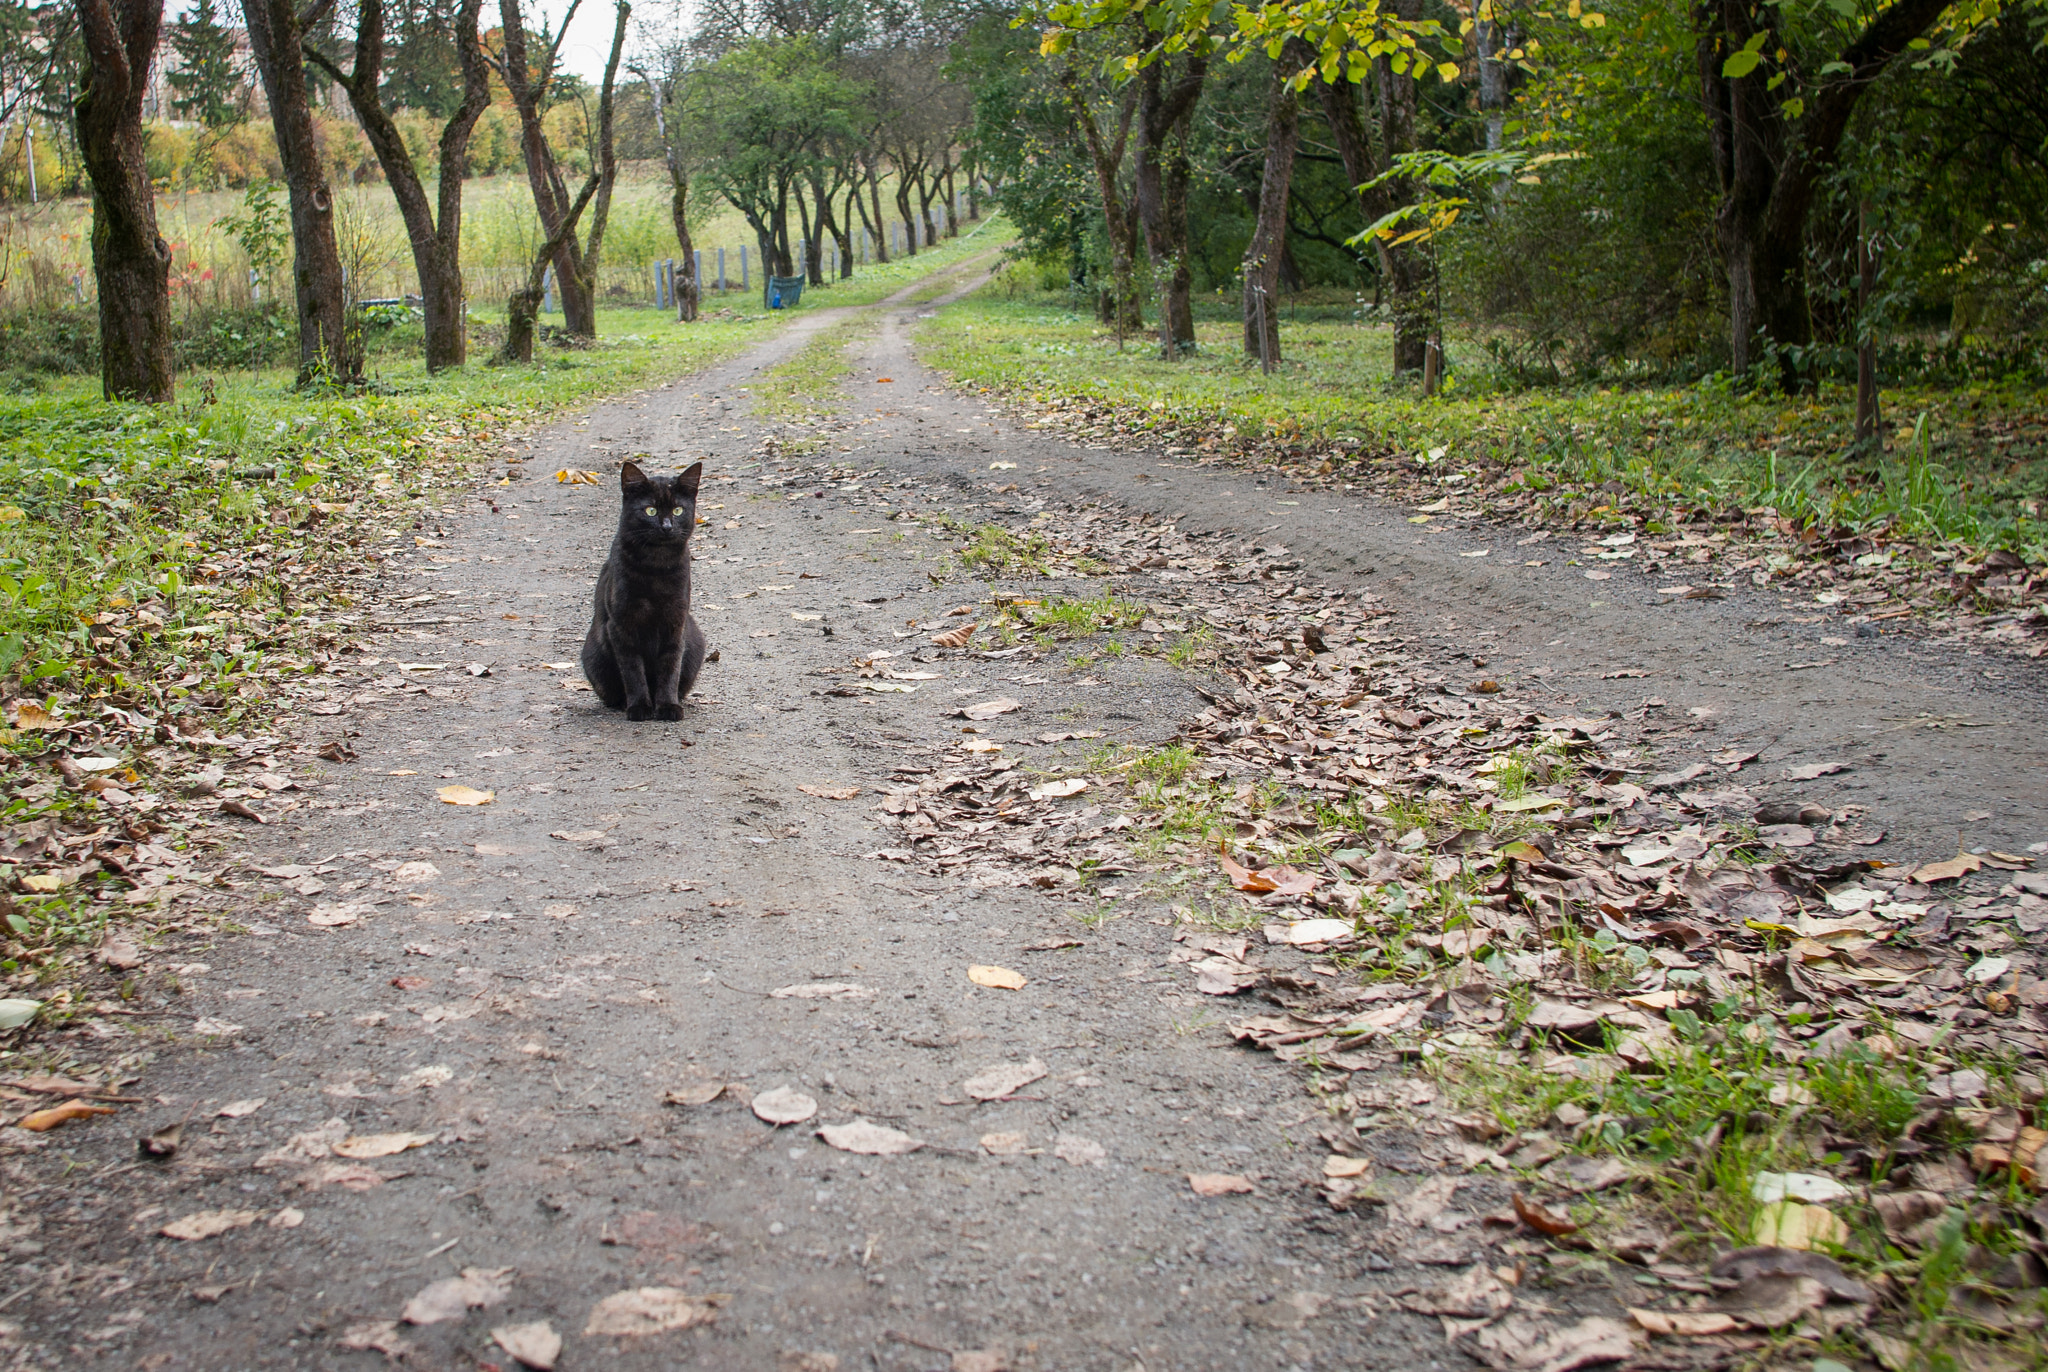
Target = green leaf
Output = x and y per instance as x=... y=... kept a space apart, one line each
x=1741 y=64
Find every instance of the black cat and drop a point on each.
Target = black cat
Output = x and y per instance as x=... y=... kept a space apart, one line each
x=643 y=651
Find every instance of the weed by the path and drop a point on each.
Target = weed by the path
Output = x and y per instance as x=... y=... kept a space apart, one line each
x=810 y=386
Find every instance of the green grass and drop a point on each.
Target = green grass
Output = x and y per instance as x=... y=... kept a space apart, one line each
x=1971 y=473
x=809 y=386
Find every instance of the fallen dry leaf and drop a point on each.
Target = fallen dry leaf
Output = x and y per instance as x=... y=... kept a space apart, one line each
x=235 y=1109
x=376 y=1336
x=784 y=1105
x=696 y=1093
x=1542 y=1220
x=989 y=709
x=651 y=1310
x=1337 y=1165
x=1961 y=865
x=453 y=1297
x=1079 y=1152
x=1473 y=1294
x=1006 y=1145
x=361 y=1146
x=980 y=1359
x=465 y=795
x=830 y=792
x=44 y=1120
x=287 y=1218
x=1690 y=1322
x=1058 y=790
x=999 y=1081
x=535 y=1345
x=862 y=1136
x=1520 y=1344
x=1219 y=1184
x=1789 y=1224
x=1813 y=771
x=823 y=990
x=997 y=978
x=1773 y=1302
x=955 y=638
x=206 y=1223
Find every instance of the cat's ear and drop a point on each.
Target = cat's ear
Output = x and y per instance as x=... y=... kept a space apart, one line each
x=630 y=476
x=686 y=484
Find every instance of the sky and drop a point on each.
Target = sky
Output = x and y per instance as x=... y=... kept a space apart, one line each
x=590 y=33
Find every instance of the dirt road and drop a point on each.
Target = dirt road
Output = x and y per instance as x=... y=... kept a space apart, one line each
x=492 y=1008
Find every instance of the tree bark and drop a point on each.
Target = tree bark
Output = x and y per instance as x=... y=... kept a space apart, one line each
x=903 y=184
x=436 y=247
x=1769 y=172
x=1411 y=278
x=130 y=260
x=524 y=304
x=1262 y=254
x=605 y=160
x=550 y=192
x=1164 y=113
x=880 y=228
x=689 y=290
x=328 y=346
x=1107 y=153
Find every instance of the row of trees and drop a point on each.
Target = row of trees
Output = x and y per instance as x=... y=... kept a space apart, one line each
x=1502 y=140
x=797 y=114
x=450 y=68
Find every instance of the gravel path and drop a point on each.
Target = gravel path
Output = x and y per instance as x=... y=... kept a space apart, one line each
x=527 y=985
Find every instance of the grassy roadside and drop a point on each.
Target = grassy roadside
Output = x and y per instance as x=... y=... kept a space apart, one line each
x=173 y=579
x=1954 y=511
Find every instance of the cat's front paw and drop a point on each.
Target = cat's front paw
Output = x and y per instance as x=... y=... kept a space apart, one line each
x=672 y=710
x=639 y=710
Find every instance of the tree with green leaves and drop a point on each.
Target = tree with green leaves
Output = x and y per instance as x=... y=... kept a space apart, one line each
x=436 y=240
x=206 y=82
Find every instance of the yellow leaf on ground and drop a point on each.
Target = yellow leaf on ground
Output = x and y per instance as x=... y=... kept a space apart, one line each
x=1219 y=1184
x=207 y=1223
x=43 y=1120
x=1789 y=1224
x=361 y=1146
x=1962 y=864
x=651 y=1310
x=997 y=978
x=466 y=795
x=830 y=792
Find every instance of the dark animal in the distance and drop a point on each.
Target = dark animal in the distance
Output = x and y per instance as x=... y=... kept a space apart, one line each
x=643 y=651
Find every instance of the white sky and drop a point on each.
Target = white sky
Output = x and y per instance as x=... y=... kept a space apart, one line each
x=590 y=35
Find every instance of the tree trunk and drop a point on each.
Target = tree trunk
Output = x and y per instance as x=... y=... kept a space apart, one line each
x=689 y=290
x=845 y=232
x=130 y=260
x=880 y=228
x=903 y=208
x=1769 y=172
x=524 y=304
x=436 y=248
x=550 y=194
x=1262 y=254
x=1164 y=113
x=1866 y=334
x=605 y=161
x=952 y=200
x=328 y=347
x=1124 y=312
x=1411 y=280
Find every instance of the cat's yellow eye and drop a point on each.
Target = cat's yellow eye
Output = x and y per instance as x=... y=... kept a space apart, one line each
x=650 y=509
